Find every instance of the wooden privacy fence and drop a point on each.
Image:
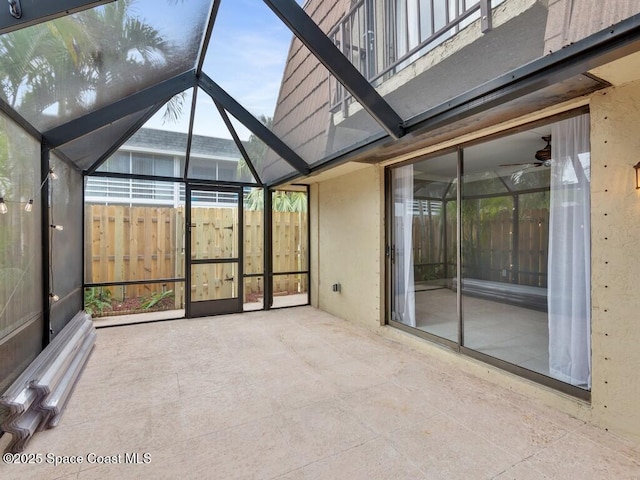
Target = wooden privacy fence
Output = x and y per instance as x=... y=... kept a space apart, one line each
x=487 y=247
x=147 y=243
x=132 y=243
x=289 y=244
x=500 y=249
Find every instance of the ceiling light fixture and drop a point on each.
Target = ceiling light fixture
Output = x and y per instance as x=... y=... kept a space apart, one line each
x=544 y=154
x=15 y=9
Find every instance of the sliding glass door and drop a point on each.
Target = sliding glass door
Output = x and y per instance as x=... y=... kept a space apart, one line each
x=423 y=252
x=519 y=229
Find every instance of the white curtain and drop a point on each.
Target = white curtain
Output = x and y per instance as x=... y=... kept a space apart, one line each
x=403 y=285
x=569 y=268
x=407 y=29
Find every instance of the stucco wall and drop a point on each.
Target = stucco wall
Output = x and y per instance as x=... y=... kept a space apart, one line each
x=347 y=239
x=573 y=20
x=615 y=237
x=346 y=233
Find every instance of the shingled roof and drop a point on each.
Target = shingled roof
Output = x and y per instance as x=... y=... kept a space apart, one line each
x=159 y=140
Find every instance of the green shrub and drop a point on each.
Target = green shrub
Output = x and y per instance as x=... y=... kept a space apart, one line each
x=97 y=300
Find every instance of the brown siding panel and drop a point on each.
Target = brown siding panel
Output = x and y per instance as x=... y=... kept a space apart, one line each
x=302 y=112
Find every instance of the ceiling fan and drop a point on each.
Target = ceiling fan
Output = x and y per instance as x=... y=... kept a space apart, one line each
x=543 y=156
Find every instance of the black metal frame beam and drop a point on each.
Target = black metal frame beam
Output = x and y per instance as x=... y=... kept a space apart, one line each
x=192 y=117
x=187 y=250
x=146 y=98
x=39 y=11
x=340 y=67
x=134 y=282
x=70 y=163
x=458 y=248
x=20 y=120
x=45 y=227
x=207 y=35
x=128 y=134
x=268 y=249
x=336 y=159
x=218 y=95
x=600 y=48
x=159 y=178
x=239 y=144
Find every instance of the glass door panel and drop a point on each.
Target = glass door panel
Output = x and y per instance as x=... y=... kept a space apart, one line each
x=215 y=270
x=290 y=247
x=423 y=251
x=504 y=250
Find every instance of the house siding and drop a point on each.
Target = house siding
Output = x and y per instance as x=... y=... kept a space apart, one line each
x=348 y=229
x=615 y=237
x=302 y=116
x=573 y=20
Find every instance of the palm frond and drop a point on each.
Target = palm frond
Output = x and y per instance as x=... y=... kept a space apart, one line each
x=173 y=108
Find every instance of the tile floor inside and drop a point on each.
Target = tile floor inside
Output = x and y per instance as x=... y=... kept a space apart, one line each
x=514 y=334
x=300 y=394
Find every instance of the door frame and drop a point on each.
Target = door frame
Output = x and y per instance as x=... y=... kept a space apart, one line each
x=214 y=307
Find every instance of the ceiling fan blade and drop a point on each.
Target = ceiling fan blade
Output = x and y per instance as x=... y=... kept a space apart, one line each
x=519 y=164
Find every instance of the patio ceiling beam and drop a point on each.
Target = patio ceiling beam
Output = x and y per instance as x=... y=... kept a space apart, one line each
x=253 y=124
x=239 y=144
x=104 y=116
x=32 y=12
x=340 y=67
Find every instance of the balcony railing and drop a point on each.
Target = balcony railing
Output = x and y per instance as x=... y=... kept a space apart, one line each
x=149 y=192
x=382 y=37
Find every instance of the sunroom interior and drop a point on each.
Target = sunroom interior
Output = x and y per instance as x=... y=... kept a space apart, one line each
x=81 y=80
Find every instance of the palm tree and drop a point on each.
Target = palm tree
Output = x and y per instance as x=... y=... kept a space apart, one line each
x=80 y=62
x=18 y=51
x=59 y=73
x=123 y=49
x=256 y=151
x=256 y=148
x=42 y=66
x=282 y=200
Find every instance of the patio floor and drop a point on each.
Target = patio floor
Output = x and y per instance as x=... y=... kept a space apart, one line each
x=300 y=394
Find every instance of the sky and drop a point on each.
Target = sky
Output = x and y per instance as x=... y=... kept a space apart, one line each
x=246 y=57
